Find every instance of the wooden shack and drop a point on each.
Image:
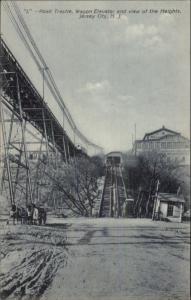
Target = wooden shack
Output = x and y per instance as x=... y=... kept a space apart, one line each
x=169 y=206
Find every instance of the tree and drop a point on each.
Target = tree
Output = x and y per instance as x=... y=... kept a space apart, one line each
x=144 y=174
x=77 y=182
x=98 y=161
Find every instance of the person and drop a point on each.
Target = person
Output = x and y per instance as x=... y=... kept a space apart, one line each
x=23 y=215
x=42 y=216
x=18 y=215
x=12 y=214
x=35 y=215
x=29 y=214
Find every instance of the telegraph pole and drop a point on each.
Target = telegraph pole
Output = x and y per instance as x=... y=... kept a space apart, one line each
x=155 y=201
x=135 y=139
x=135 y=131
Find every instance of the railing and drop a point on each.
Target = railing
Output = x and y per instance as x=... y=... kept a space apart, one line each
x=103 y=192
x=7 y=54
x=38 y=102
x=123 y=182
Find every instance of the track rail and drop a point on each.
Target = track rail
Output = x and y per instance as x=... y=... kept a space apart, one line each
x=114 y=192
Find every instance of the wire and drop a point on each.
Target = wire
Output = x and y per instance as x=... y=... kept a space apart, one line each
x=21 y=19
x=48 y=75
x=13 y=20
x=55 y=92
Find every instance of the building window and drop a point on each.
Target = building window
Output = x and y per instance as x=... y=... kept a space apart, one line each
x=170 y=210
x=163 y=145
x=151 y=145
x=169 y=145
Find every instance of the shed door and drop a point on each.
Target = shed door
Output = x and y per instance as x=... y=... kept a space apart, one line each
x=176 y=211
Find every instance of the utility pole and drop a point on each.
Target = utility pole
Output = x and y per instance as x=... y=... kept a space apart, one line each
x=132 y=140
x=135 y=140
x=135 y=131
x=155 y=201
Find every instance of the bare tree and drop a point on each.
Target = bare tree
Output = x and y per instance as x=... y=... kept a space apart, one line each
x=143 y=175
x=77 y=182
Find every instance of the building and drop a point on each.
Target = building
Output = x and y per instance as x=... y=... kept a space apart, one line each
x=169 y=206
x=171 y=143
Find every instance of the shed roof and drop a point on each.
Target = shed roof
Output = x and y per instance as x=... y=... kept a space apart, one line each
x=168 y=197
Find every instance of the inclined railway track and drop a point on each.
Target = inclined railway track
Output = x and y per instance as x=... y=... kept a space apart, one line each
x=114 y=192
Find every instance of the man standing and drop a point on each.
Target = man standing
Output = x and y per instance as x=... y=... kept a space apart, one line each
x=29 y=214
x=35 y=215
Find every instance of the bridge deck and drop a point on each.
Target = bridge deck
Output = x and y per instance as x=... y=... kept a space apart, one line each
x=15 y=83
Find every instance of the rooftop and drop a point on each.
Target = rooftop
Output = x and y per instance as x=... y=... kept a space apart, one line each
x=168 y=197
x=158 y=130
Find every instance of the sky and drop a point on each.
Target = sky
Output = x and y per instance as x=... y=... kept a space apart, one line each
x=112 y=73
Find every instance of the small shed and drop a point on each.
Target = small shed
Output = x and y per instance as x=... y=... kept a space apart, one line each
x=170 y=206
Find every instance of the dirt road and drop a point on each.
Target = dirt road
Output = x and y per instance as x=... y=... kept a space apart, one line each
x=95 y=259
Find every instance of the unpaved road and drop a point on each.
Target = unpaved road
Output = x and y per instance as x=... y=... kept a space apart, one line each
x=75 y=259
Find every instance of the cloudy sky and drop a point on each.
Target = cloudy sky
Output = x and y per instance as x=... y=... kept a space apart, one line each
x=113 y=73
